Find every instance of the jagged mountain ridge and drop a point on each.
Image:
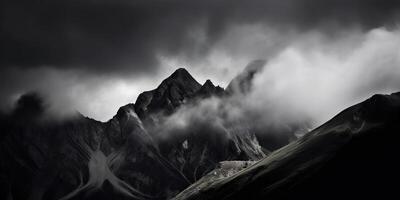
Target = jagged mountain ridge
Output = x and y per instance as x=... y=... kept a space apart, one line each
x=352 y=156
x=81 y=158
x=179 y=88
x=196 y=151
x=170 y=94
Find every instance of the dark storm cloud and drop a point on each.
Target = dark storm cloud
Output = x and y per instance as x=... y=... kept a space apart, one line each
x=96 y=55
x=125 y=35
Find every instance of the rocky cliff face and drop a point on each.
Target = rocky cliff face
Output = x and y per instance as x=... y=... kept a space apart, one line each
x=170 y=94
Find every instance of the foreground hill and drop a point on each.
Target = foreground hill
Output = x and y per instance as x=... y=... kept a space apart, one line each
x=352 y=156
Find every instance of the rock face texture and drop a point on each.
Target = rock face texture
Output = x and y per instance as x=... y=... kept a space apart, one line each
x=198 y=150
x=170 y=94
x=352 y=156
x=81 y=158
x=194 y=151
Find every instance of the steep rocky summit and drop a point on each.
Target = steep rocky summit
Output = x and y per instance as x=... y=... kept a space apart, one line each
x=171 y=93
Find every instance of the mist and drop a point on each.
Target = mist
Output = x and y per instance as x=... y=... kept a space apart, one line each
x=95 y=56
x=308 y=76
x=320 y=79
x=305 y=84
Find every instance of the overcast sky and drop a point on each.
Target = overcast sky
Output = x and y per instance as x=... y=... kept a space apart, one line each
x=97 y=55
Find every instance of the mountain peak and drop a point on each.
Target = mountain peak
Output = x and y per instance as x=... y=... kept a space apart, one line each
x=255 y=66
x=125 y=110
x=208 y=83
x=181 y=71
x=181 y=74
x=208 y=89
x=29 y=106
x=183 y=79
x=242 y=83
x=172 y=92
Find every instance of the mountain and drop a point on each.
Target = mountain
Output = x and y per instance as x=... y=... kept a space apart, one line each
x=242 y=83
x=134 y=156
x=352 y=156
x=208 y=89
x=199 y=148
x=170 y=94
x=81 y=158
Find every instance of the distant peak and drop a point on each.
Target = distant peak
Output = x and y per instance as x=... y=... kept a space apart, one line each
x=181 y=69
x=29 y=105
x=180 y=72
x=182 y=76
x=208 y=83
x=255 y=66
x=209 y=89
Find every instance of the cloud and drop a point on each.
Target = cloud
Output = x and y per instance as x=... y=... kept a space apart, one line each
x=304 y=85
x=318 y=81
x=124 y=35
x=94 y=56
x=69 y=91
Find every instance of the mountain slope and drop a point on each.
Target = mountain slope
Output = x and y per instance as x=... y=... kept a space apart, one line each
x=353 y=155
x=82 y=158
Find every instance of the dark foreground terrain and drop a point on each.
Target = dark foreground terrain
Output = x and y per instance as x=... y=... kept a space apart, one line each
x=352 y=156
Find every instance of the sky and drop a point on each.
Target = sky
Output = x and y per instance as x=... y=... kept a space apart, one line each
x=94 y=56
